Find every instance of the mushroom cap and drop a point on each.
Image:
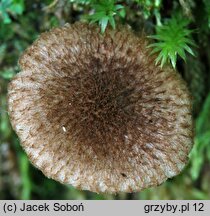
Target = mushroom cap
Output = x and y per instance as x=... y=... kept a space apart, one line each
x=94 y=110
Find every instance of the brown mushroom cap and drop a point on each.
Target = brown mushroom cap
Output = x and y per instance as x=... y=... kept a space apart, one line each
x=94 y=111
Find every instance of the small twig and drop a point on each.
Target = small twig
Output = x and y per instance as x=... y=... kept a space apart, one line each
x=50 y=6
x=186 y=7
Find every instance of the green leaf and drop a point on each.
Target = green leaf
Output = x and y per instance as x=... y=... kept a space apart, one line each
x=14 y=7
x=122 y=13
x=6 y=18
x=112 y=21
x=17 y=9
x=103 y=23
x=117 y=7
x=104 y=13
x=7 y=74
x=173 y=57
x=181 y=52
x=173 y=40
x=188 y=49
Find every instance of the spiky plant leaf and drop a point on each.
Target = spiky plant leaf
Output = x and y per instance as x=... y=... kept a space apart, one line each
x=172 y=39
x=104 y=13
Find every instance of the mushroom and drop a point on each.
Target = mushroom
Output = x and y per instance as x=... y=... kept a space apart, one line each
x=94 y=110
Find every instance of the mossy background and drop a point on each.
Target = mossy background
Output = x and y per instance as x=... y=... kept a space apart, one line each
x=20 y=24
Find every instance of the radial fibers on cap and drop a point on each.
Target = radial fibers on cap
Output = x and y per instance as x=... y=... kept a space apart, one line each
x=94 y=110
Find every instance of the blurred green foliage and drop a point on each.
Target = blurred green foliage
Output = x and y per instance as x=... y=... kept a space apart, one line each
x=104 y=12
x=20 y=24
x=13 y=7
x=207 y=9
x=201 y=150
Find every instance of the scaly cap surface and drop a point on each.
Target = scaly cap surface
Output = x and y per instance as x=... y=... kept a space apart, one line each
x=94 y=111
